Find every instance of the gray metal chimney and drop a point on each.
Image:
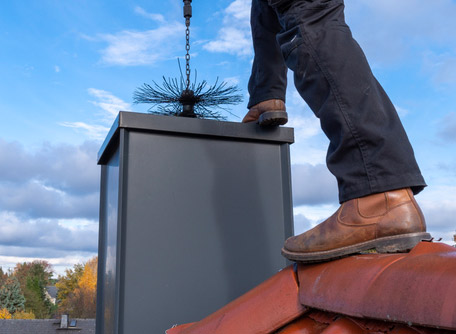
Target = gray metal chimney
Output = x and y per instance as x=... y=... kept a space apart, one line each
x=193 y=214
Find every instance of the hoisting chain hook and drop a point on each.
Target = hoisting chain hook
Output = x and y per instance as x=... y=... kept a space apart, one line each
x=187 y=11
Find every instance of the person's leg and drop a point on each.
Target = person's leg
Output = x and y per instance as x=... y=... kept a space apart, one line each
x=369 y=152
x=268 y=80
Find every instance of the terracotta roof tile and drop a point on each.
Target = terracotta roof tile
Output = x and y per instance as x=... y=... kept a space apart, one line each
x=343 y=326
x=347 y=325
x=412 y=293
x=303 y=325
x=263 y=309
x=418 y=287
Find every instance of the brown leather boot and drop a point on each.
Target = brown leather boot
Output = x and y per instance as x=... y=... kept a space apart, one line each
x=388 y=222
x=267 y=113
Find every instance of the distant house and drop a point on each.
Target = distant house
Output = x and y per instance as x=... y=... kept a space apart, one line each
x=51 y=294
x=47 y=326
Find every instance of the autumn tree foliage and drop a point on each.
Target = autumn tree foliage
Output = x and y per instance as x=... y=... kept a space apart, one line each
x=3 y=276
x=24 y=315
x=12 y=300
x=67 y=284
x=11 y=297
x=33 y=277
x=23 y=296
x=77 y=290
x=4 y=314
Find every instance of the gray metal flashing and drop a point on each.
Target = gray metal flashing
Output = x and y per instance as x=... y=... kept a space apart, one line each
x=192 y=126
x=109 y=141
x=101 y=251
x=287 y=189
x=121 y=237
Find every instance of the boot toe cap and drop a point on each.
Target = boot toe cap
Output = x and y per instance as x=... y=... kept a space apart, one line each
x=295 y=244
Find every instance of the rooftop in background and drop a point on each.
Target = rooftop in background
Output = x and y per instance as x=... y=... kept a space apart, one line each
x=45 y=326
x=365 y=294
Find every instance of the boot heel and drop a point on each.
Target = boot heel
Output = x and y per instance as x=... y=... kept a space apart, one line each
x=273 y=118
x=401 y=243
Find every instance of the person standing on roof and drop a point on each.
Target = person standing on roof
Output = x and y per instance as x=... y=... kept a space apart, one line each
x=369 y=152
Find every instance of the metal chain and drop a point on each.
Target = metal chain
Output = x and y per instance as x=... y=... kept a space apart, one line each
x=187 y=55
x=187 y=16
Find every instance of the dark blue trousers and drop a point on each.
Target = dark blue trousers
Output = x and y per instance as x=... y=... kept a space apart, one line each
x=369 y=151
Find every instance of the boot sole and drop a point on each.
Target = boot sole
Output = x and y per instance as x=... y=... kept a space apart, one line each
x=395 y=244
x=273 y=118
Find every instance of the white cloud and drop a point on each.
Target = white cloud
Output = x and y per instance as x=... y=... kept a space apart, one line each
x=234 y=36
x=301 y=224
x=35 y=199
x=307 y=154
x=110 y=106
x=232 y=81
x=155 y=17
x=45 y=233
x=48 y=203
x=302 y=118
x=96 y=132
x=133 y=48
x=55 y=181
x=305 y=126
x=313 y=215
x=231 y=40
x=240 y=10
x=402 y=112
x=108 y=102
x=313 y=185
x=438 y=205
x=310 y=142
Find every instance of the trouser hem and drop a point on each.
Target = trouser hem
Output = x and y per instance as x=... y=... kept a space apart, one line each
x=415 y=182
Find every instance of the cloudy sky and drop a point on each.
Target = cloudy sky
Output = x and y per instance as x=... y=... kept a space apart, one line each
x=68 y=67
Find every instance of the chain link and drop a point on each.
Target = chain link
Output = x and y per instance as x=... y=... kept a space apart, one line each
x=187 y=55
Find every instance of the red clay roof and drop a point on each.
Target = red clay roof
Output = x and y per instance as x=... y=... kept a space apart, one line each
x=272 y=304
x=366 y=294
x=418 y=287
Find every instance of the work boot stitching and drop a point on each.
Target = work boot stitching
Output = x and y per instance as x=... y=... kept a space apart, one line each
x=398 y=205
x=374 y=216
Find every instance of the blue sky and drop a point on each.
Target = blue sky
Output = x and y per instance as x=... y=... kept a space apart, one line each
x=68 y=67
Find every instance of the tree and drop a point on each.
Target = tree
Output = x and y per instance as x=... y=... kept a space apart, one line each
x=4 y=314
x=11 y=296
x=38 y=270
x=23 y=315
x=33 y=278
x=3 y=276
x=68 y=283
x=86 y=293
x=80 y=302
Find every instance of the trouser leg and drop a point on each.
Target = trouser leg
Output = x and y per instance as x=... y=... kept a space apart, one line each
x=269 y=72
x=369 y=151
